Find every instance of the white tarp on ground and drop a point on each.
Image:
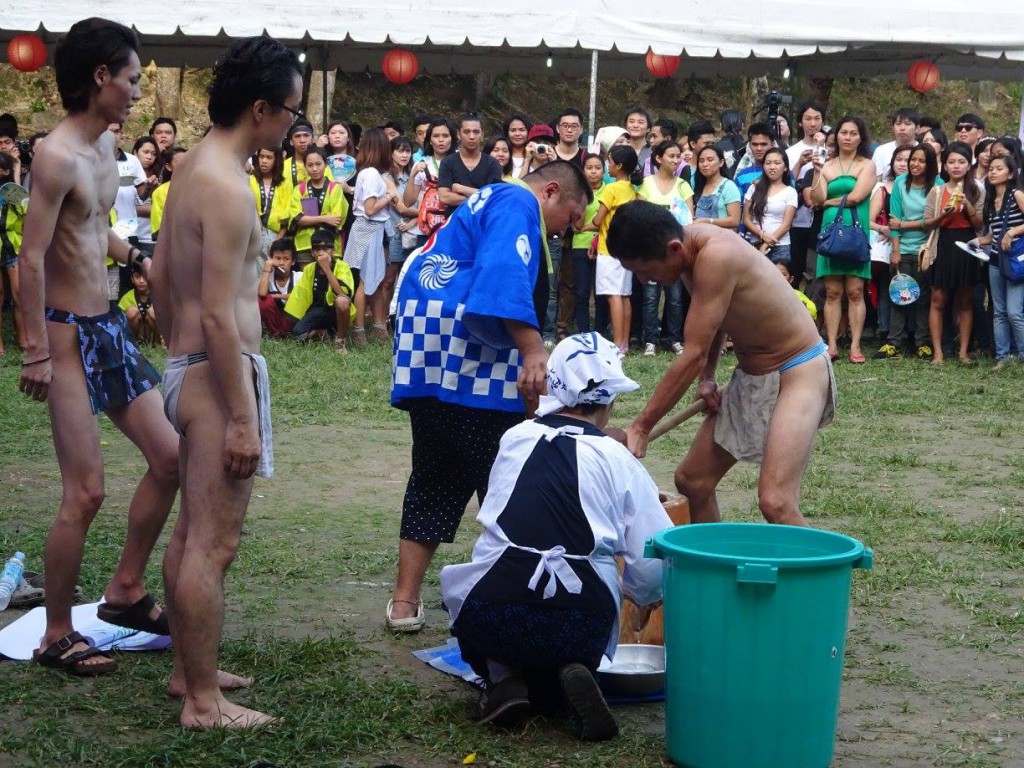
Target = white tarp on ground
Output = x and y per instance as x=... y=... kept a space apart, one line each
x=816 y=37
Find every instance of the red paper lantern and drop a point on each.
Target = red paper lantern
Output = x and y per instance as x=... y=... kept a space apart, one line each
x=27 y=53
x=400 y=66
x=661 y=66
x=923 y=76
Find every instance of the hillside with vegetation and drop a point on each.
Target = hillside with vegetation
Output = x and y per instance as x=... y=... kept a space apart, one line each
x=369 y=100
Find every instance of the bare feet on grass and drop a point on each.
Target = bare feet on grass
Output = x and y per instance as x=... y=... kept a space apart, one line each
x=225 y=681
x=224 y=714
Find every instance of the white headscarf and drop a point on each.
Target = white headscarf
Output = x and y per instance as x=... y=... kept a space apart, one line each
x=584 y=369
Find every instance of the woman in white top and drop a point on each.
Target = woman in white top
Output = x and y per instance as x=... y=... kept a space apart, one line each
x=403 y=217
x=517 y=128
x=364 y=250
x=148 y=154
x=438 y=143
x=770 y=206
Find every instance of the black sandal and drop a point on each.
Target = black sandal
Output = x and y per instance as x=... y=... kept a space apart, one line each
x=73 y=663
x=135 y=616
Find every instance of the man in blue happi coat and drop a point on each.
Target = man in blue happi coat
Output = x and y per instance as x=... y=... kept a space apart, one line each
x=469 y=360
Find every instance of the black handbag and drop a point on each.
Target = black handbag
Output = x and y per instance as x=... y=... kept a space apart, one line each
x=845 y=242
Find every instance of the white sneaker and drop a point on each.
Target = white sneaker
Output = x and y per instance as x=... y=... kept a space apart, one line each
x=649 y=350
x=677 y=347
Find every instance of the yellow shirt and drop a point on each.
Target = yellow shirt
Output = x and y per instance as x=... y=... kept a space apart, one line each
x=12 y=219
x=807 y=303
x=612 y=196
x=128 y=300
x=295 y=175
x=582 y=239
x=335 y=204
x=157 y=203
x=279 y=205
x=301 y=296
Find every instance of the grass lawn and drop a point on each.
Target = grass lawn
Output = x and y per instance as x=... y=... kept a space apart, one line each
x=925 y=465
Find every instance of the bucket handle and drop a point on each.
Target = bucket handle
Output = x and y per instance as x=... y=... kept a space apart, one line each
x=757 y=573
x=651 y=549
x=866 y=560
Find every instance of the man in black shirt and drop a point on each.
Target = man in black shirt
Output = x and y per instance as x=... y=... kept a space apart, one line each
x=464 y=172
x=569 y=126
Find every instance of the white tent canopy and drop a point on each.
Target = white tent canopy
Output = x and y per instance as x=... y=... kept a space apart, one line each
x=814 y=37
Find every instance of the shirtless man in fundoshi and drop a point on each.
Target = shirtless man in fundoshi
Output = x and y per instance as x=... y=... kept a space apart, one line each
x=783 y=389
x=205 y=277
x=79 y=356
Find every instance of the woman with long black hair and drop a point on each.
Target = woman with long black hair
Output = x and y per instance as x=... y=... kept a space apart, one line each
x=852 y=175
x=954 y=209
x=364 y=251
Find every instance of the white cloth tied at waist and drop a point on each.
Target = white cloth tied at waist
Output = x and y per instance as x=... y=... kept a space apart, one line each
x=552 y=562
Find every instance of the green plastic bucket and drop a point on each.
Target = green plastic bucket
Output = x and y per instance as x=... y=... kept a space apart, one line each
x=755 y=630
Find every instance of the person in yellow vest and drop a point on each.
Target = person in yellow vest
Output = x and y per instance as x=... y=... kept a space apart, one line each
x=321 y=300
x=294 y=168
x=159 y=196
x=138 y=308
x=272 y=195
x=316 y=204
x=12 y=217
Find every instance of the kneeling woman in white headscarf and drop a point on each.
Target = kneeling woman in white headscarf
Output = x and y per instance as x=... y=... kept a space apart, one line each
x=538 y=604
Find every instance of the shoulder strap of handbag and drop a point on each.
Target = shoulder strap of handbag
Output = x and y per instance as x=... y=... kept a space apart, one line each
x=1004 y=209
x=840 y=209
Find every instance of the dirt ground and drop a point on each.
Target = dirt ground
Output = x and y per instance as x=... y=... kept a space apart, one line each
x=922 y=686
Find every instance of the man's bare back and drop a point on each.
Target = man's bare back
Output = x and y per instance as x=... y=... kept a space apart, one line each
x=207 y=181
x=768 y=325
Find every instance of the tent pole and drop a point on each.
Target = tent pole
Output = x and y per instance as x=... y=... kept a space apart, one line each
x=326 y=114
x=592 y=114
x=1021 y=127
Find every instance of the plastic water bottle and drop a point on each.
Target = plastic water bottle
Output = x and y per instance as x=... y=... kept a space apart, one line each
x=10 y=578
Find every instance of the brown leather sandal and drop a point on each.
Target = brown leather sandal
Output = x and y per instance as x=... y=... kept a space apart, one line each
x=74 y=663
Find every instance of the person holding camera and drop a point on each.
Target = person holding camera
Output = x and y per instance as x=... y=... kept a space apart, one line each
x=9 y=145
x=540 y=148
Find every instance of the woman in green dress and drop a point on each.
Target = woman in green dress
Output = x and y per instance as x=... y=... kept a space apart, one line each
x=849 y=173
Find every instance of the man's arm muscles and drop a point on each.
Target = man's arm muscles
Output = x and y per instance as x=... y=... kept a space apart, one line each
x=227 y=228
x=703 y=331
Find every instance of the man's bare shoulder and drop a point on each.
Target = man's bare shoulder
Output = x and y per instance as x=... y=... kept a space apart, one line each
x=716 y=249
x=54 y=164
x=207 y=173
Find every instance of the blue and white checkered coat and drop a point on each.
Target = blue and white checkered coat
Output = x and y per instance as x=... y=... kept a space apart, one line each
x=475 y=272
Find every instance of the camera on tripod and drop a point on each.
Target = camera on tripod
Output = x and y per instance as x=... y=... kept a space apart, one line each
x=772 y=101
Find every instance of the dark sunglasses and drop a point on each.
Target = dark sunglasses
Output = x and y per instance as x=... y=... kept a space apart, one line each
x=966 y=127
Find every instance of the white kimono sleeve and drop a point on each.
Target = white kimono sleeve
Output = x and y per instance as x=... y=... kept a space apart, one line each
x=643 y=516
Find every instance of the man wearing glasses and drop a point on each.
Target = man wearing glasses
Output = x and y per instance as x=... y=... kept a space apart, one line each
x=970 y=129
x=204 y=284
x=569 y=126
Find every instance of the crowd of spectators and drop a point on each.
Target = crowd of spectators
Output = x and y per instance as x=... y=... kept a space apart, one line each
x=340 y=211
